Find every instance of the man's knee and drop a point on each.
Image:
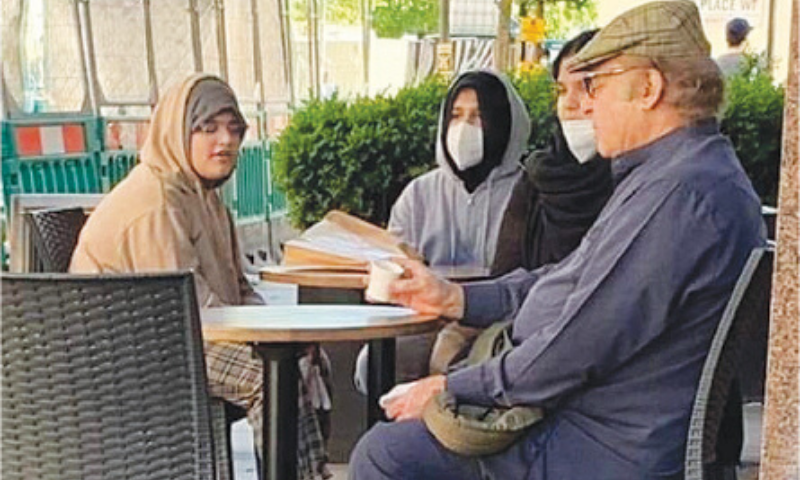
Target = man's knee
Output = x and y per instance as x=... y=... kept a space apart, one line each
x=405 y=450
x=383 y=452
x=366 y=455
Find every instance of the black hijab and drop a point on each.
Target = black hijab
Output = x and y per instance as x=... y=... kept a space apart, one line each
x=570 y=197
x=495 y=119
x=552 y=206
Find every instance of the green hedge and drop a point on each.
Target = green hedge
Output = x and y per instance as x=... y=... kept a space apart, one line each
x=753 y=120
x=536 y=90
x=358 y=156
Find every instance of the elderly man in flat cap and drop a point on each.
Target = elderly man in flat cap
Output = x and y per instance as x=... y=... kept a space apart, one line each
x=611 y=341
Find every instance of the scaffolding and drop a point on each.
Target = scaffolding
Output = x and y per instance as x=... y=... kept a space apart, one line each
x=113 y=58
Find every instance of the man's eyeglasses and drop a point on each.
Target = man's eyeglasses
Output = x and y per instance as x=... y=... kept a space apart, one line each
x=588 y=80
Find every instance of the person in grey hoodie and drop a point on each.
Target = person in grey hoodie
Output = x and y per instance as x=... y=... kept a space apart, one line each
x=452 y=214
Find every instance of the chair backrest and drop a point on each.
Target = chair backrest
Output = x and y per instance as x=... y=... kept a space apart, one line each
x=748 y=305
x=103 y=377
x=19 y=210
x=55 y=236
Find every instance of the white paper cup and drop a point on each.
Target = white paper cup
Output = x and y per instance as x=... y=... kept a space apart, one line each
x=381 y=274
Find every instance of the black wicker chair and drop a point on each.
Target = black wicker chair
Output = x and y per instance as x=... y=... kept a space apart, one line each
x=55 y=235
x=747 y=308
x=103 y=377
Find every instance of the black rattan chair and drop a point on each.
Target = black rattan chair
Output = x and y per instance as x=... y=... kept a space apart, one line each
x=103 y=377
x=747 y=307
x=55 y=235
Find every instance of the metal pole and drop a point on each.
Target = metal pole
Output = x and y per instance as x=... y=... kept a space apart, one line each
x=222 y=44
x=76 y=10
x=151 y=60
x=197 y=46
x=13 y=61
x=314 y=48
x=310 y=40
x=445 y=63
x=366 y=26
x=286 y=46
x=502 y=42
x=322 y=49
x=84 y=22
x=380 y=376
x=279 y=415
x=258 y=68
x=444 y=20
x=770 y=33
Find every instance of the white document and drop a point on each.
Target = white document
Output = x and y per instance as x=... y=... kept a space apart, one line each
x=398 y=391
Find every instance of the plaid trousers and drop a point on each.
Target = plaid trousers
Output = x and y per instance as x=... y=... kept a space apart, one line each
x=235 y=375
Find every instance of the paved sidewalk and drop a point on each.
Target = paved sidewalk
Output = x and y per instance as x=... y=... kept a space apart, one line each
x=244 y=462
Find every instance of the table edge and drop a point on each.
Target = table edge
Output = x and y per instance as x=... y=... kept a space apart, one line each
x=254 y=335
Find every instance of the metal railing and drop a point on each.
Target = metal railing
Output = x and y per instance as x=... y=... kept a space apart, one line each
x=250 y=194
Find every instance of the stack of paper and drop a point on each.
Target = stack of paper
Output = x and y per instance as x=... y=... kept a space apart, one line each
x=342 y=242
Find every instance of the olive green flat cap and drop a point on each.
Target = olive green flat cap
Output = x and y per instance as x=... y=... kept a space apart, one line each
x=655 y=29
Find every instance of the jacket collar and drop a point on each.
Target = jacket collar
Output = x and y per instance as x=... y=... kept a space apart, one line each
x=660 y=150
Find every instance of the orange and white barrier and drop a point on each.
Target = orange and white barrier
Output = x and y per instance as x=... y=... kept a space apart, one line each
x=37 y=140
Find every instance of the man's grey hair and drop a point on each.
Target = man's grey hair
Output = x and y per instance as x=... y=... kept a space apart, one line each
x=695 y=87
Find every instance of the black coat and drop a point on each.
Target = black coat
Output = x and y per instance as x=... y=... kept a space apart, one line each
x=551 y=207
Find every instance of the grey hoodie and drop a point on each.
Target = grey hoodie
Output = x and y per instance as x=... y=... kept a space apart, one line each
x=448 y=225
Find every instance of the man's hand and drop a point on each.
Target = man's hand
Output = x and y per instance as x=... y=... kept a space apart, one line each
x=411 y=404
x=421 y=290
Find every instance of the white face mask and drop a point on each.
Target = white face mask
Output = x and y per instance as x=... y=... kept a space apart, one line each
x=465 y=144
x=580 y=138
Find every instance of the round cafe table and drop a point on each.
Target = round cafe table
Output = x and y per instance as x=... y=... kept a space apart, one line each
x=278 y=335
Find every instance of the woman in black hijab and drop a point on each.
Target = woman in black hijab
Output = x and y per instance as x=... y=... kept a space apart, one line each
x=565 y=187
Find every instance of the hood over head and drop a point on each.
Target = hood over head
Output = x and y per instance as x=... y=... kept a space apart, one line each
x=184 y=108
x=505 y=123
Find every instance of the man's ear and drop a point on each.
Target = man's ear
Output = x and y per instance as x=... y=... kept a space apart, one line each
x=653 y=86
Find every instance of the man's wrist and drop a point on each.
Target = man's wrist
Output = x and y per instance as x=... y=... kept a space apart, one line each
x=454 y=306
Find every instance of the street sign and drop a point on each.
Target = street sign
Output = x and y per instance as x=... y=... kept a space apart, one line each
x=532 y=29
x=444 y=57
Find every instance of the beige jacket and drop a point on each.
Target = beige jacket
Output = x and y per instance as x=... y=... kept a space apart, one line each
x=161 y=218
